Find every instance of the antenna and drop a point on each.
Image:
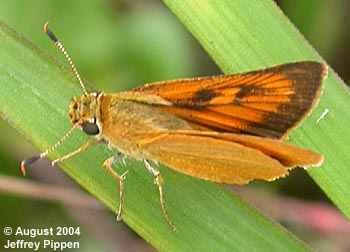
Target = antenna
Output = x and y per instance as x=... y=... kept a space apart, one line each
x=65 y=53
x=36 y=157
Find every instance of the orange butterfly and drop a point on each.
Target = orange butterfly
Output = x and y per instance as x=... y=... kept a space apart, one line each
x=227 y=128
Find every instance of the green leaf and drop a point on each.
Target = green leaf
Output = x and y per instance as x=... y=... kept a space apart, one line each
x=36 y=91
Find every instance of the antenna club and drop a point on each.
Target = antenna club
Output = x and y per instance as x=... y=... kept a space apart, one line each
x=50 y=33
x=65 y=53
x=46 y=26
x=29 y=161
x=23 y=167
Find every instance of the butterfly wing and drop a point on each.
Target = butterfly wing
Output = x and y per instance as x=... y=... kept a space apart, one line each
x=267 y=103
x=226 y=157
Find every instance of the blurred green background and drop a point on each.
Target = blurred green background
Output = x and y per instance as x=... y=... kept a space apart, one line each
x=117 y=45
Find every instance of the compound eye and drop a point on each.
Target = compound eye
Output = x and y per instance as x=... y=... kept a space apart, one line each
x=90 y=128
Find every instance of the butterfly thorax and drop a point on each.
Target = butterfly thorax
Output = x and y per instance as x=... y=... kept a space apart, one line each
x=123 y=119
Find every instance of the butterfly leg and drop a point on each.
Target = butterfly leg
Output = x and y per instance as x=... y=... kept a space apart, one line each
x=77 y=151
x=107 y=165
x=159 y=181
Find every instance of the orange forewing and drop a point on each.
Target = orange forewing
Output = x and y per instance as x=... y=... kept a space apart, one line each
x=267 y=103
